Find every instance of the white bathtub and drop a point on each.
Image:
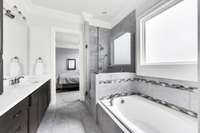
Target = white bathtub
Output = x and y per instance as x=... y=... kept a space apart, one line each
x=140 y=115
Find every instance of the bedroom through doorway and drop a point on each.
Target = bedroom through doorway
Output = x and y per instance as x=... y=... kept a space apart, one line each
x=67 y=65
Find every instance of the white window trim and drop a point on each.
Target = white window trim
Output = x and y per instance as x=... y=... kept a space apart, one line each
x=112 y=50
x=145 y=69
x=161 y=7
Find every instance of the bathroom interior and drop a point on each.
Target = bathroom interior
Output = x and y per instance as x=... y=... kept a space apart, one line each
x=137 y=63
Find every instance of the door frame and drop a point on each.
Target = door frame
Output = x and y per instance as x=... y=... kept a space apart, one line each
x=54 y=30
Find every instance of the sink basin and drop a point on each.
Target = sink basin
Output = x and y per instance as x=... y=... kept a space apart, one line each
x=29 y=80
x=26 y=81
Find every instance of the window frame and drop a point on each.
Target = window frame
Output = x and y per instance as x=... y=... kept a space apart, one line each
x=160 y=8
x=163 y=70
x=113 y=51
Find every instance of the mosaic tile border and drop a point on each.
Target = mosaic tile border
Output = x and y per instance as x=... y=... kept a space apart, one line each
x=165 y=84
x=164 y=103
x=153 y=82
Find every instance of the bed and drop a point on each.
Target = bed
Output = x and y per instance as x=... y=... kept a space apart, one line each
x=68 y=81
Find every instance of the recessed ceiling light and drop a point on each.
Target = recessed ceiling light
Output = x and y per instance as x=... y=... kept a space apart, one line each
x=104 y=12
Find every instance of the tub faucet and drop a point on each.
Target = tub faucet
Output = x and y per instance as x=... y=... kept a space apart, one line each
x=111 y=97
x=111 y=101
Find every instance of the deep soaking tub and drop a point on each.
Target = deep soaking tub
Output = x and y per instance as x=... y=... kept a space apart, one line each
x=140 y=115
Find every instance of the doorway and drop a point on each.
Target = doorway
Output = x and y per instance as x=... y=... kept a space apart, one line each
x=67 y=70
x=67 y=65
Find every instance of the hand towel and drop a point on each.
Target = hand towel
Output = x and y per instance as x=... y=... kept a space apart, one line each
x=39 y=68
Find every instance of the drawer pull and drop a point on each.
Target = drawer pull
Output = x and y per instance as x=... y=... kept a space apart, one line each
x=18 y=129
x=17 y=114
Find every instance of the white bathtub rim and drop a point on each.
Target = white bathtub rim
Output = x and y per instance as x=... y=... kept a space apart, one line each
x=126 y=129
x=168 y=109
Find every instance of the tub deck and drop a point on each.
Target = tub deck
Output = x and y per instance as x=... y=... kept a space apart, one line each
x=140 y=115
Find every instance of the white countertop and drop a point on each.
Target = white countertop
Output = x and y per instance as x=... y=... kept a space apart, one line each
x=12 y=95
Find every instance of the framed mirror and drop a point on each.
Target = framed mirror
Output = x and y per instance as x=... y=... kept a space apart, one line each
x=121 y=51
x=71 y=64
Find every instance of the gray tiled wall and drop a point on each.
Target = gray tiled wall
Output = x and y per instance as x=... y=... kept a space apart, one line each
x=104 y=40
x=128 y=24
x=94 y=54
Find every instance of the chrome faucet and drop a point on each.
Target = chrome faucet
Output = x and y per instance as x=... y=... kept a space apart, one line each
x=111 y=101
x=16 y=80
x=111 y=97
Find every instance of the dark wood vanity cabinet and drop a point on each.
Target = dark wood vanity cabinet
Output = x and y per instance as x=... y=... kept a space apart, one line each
x=16 y=119
x=44 y=100
x=39 y=102
x=26 y=116
x=34 y=112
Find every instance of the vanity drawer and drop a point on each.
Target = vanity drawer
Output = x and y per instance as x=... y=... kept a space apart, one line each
x=14 y=117
x=20 y=125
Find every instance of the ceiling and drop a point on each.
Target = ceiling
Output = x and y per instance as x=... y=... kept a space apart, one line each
x=93 y=7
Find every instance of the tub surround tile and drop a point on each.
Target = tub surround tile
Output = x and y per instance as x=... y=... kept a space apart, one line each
x=152 y=82
x=183 y=94
x=174 y=96
x=106 y=122
x=114 y=84
x=167 y=84
x=167 y=90
x=110 y=83
x=195 y=100
x=162 y=102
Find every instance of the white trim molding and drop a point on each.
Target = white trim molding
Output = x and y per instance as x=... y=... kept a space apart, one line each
x=170 y=70
x=67 y=45
x=53 y=62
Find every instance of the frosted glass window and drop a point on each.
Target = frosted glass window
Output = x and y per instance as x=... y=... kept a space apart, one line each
x=122 y=52
x=171 y=36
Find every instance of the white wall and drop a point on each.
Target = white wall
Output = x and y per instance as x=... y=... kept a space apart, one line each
x=40 y=37
x=40 y=47
x=41 y=43
x=62 y=54
x=43 y=23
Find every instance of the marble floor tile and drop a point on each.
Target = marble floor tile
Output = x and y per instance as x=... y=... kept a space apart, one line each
x=68 y=116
